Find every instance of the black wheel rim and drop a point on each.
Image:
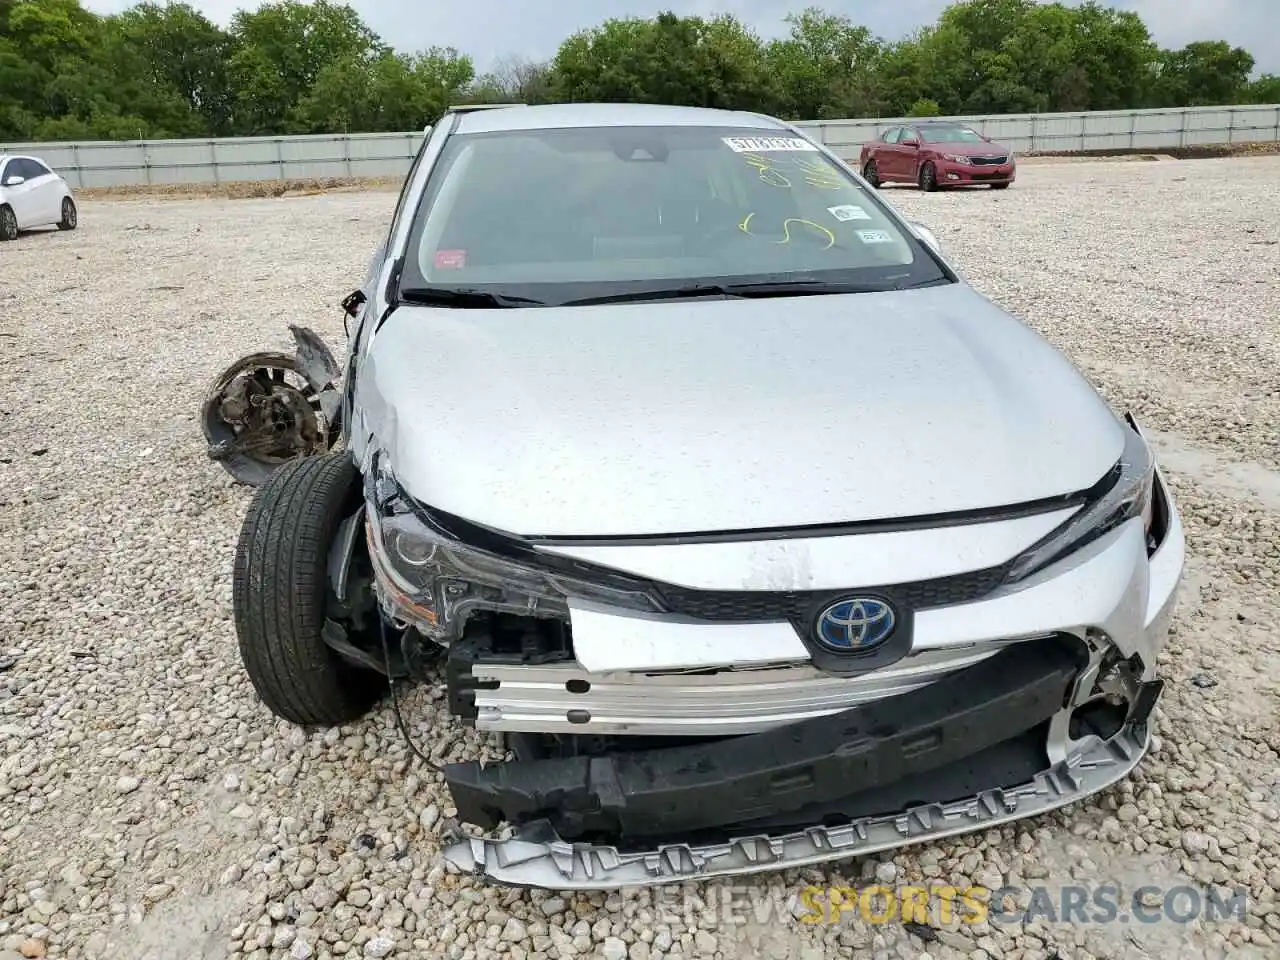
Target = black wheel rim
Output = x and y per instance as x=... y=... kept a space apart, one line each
x=8 y=224
x=928 y=176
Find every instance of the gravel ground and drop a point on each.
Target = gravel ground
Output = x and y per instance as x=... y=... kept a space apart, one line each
x=150 y=807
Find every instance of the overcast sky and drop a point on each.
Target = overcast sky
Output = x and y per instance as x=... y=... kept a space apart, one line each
x=488 y=29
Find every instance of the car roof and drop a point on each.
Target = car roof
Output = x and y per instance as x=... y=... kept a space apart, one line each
x=568 y=115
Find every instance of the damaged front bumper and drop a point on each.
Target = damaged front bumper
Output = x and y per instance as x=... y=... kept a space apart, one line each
x=786 y=770
x=536 y=857
x=973 y=750
x=1010 y=700
x=1031 y=725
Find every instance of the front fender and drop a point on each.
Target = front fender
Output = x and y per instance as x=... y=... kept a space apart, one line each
x=315 y=361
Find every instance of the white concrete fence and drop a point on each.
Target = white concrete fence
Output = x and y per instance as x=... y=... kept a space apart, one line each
x=115 y=163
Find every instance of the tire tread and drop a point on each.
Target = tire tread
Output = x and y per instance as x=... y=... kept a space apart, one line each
x=279 y=595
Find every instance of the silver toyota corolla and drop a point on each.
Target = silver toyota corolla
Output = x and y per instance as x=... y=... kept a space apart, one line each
x=699 y=477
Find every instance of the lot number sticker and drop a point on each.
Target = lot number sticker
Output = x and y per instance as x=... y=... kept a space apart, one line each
x=847 y=211
x=874 y=236
x=451 y=259
x=767 y=144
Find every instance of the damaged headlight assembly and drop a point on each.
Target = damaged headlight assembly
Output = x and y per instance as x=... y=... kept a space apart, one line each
x=1130 y=494
x=436 y=581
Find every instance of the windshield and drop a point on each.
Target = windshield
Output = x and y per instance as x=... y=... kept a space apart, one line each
x=951 y=135
x=556 y=216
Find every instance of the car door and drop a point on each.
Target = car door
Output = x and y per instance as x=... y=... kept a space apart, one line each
x=22 y=196
x=903 y=155
x=46 y=190
x=886 y=152
x=909 y=151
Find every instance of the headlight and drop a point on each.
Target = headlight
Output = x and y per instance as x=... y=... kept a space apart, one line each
x=1129 y=496
x=956 y=158
x=438 y=581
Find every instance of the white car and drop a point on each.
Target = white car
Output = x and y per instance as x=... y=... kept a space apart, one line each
x=687 y=465
x=32 y=195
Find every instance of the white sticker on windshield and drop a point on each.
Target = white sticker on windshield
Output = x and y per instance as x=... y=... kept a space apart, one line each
x=848 y=211
x=874 y=236
x=767 y=144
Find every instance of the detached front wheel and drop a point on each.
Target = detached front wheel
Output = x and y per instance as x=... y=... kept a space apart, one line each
x=280 y=594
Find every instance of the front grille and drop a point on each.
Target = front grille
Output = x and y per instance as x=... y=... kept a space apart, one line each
x=762 y=606
x=987 y=161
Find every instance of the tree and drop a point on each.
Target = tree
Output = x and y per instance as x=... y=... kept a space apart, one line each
x=51 y=32
x=1042 y=45
x=183 y=49
x=925 y=108
x=1203 y=73
x=282 y=48
x=1116 y=54
x=678 y=60
x=901 y=78
x=67 y=72
x=393 y=92
x=162 y=69
x=825 y=67
x=1266 y=89
x=513 y=80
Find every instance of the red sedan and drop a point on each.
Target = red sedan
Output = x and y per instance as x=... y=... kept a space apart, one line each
x=936 y=155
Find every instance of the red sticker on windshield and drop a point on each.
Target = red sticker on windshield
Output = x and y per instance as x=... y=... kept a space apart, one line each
x=451 y=259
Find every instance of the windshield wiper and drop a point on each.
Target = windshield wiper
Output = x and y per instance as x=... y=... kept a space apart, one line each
x=765 y=288
x=465 y=297
x=920 y=284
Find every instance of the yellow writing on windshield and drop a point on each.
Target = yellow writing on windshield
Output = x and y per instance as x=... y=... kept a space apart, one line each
x=819 y=175
x=745 y=227
x=815 y=173
x=767 y=170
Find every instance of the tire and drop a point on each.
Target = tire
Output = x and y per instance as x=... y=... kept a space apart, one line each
x=70 y=216
x=929 y=177
x=871 y=174
x=280 y=589
x=8 y=224
x=999 y=186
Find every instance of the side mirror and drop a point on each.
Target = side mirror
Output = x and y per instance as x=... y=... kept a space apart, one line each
x=929 y=238
x=910 y=142
x=15 y=181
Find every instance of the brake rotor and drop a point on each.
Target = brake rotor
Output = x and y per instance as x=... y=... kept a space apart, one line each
x=263 y=412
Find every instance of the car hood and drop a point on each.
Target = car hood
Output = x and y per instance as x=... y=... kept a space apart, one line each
x=727 y=415
x=971 y=149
